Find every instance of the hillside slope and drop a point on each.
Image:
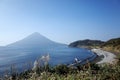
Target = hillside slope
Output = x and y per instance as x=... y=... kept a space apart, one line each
x=112 y=45
x=86 y=43
x=35 y=40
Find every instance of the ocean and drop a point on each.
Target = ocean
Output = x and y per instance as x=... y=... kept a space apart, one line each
x=21 y=59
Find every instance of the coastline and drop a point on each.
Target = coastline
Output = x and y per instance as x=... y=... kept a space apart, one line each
x=103 y=56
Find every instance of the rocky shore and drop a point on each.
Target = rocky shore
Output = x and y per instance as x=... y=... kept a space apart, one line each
x=106 y=57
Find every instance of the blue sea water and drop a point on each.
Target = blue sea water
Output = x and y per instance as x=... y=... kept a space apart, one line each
x=58 y=55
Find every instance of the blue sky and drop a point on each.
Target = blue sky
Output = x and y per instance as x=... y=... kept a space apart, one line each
x=62 y=21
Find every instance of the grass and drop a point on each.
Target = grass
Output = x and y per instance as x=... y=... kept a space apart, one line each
x=62 y=72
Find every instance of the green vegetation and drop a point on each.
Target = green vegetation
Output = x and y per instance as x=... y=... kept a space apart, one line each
x=89 y=71
x=62 y=72
x=112 y=45
x=86 y=43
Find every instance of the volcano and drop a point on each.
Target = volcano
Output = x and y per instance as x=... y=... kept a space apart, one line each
x=35 y=40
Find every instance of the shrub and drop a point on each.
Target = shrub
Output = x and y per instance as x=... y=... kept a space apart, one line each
x=61 y=69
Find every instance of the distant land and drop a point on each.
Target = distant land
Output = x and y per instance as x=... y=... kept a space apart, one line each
x=35 y=40
x=112 y=45
x=87 y=43
x=32 y=47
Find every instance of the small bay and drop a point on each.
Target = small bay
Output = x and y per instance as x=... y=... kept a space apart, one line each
x=58 y=55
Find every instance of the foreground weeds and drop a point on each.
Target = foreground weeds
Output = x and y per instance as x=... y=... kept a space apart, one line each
x=78 y=72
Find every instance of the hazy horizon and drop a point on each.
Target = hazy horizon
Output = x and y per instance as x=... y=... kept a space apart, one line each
x=61 y=21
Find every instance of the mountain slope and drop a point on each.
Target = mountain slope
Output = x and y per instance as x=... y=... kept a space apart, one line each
x=34 y=40
x=112 y=45
x=86 y=43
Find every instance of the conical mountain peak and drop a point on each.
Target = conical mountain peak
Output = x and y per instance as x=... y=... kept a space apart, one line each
x=34 y=40
x=35 y=34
